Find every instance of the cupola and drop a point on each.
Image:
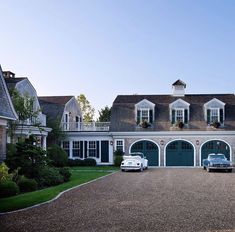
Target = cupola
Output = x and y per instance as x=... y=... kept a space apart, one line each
x=178 y=88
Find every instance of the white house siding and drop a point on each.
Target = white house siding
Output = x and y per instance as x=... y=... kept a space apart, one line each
x=197 y=139
x=85 y=137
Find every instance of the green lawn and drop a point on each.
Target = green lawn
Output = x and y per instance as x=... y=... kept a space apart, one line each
x=80 y=175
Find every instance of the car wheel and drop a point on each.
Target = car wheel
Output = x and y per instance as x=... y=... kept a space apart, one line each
x=204 y=168
x=141 y=169
x=230 y=170
x=208 y=170
x=123 y=170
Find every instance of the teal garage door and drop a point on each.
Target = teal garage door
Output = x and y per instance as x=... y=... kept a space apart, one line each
x=215 y=146
x=149 y=149
x=179 y=153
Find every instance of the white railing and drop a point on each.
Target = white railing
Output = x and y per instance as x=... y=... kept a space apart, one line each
x=82 y=126
x=40 y=120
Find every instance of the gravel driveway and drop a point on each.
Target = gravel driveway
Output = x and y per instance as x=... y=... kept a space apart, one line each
x=155 y=200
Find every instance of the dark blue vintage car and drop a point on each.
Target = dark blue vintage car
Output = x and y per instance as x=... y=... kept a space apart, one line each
x=217 y=162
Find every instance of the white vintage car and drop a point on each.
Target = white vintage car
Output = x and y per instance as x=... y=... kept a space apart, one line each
x=134 y=161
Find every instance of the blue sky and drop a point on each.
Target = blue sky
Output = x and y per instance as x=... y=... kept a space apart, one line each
x=103 y=48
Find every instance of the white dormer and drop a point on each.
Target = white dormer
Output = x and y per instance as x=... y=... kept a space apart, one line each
x=214 y=111
x=144 y=111
x=178 y=88
x=179 y=111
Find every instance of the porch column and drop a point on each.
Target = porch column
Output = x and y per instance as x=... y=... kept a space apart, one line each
x=44 y=142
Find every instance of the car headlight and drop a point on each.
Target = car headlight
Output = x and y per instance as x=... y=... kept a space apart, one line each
x=122 y=163
x=138 y=164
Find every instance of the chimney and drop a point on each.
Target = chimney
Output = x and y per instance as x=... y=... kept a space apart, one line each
x=8 y=74
x=178 y=88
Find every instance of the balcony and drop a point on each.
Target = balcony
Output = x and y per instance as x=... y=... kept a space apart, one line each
x=82 y=126
x=40 y=120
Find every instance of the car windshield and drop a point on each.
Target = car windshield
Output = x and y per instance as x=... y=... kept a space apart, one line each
x=217 y=156
x=139 y=154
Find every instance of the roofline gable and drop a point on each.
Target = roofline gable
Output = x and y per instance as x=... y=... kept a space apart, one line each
x=181 y=101
x=145 y=101
x=216 y=100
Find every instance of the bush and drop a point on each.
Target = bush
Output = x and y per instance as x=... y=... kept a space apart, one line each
x=89 y=162
x=49 y=176
x=118 y=160
x=27 y=185
x=4 y=175
x=118 y=153
x=65 y=173
x=8 y=188
x=57 y=155
x=75 y=162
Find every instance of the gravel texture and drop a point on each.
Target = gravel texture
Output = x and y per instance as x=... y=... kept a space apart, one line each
x=164 y=199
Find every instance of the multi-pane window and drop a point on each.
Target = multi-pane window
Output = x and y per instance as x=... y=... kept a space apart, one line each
x=65 y=146
x=92 y=148
x=120 y=145
x=179 y=115
x=76 y=148
x=144 y=115
x=214 y=115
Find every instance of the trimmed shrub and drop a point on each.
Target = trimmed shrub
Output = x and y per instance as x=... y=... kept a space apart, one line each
x=8 y=188
x=89 y=162
x=49 y=176
x=27 y=185
x=118 y=153
x=57 y=155
x=118 y=160
x=75 y=162
x=65 y=173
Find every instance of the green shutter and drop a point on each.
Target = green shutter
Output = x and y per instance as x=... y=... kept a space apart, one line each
x=173 y=117
x=221 y=113
x=186 y=116
x=151 y=116
x=138 y=116
x=208 y=115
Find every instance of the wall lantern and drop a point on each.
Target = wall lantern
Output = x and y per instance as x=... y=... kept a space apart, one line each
x=162 y=142
x=111 y=143
x=197 y=142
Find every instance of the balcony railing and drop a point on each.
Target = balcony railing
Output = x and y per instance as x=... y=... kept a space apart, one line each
x=40 y=120
x=82 y=126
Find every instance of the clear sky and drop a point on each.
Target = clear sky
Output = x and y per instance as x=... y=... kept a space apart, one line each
x=103 y=48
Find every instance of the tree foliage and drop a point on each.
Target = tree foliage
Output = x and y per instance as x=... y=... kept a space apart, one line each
x=57 y=134
x=88 y=112
x=105 y=114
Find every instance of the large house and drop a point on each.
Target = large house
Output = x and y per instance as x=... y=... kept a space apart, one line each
x=171 y=130
x=7 y=113
x=82 y=139
x=37 y=125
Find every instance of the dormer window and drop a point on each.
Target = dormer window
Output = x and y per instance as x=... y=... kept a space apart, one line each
x=179 y=112
x=214 y=111
x=144 y=111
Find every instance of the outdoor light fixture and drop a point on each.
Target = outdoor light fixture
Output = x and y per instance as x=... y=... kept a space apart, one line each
x=197 y=142
x=111 y=143
x=162 y=142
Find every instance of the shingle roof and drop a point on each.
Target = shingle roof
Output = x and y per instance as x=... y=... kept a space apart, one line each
x=11 y=82
x=179 y=82
x=53 y=106
x=123 y=111
x=6 y=108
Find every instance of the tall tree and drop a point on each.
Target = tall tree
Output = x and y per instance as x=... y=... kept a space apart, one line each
x=88 y=112
x=105 y=114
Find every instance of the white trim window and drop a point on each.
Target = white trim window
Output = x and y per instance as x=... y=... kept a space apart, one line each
x=179 y=111
x=66 y=121
x=144 y=111
x=76 y=148
x=65 y=146
x=92 y=148
x=119 y=145
x=214 y=111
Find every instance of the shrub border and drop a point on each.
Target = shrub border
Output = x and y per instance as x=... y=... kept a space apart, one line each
x=59 y=195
